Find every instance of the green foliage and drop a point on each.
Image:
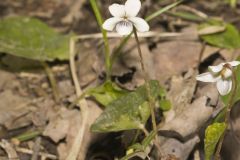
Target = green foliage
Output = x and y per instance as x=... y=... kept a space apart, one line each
x=162 y=10
x=187 y=16
x=229 y=38
x=221 y=116
x=140 y=147
x=165 y=104
x=99 y=18
x=107 y=93
x=232 y=3
x=147 y=140
x=17 y=64
x=212 y=136
x=30 y=38
x=127 y=112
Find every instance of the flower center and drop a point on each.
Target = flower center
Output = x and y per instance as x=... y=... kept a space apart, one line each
x=125 y=23
x=226 y=72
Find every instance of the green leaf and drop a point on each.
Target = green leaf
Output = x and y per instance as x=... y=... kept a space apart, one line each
x=135 y=147
x=162 y=92
x=32 y=39
x=126 y=112
x=187 y=16
x=99 y=18
x=144 y=144
x=162 y=10
x=165 y=104
x=140 y=147
x=17 y=64
x=212 y=136
x=221 y=116
x=107 y=92
x=229 y=38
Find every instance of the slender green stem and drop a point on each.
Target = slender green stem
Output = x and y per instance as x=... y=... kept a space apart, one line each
x=146 y=79
x=52 y=81
x=27 y=136
x=105 y=39
x=131 y=155
x=79 y=98
x=116 y=51
x=227 y=115
x=157 y=13
x=148 y=18
x=136 y=136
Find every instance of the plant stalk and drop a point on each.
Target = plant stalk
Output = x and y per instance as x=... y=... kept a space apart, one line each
x=146 y=79
x=227 y=116
x=105 y=39
x=52 y=81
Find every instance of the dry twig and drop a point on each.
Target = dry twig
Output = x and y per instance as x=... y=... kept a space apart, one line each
x=73 y=154
x=12 y=154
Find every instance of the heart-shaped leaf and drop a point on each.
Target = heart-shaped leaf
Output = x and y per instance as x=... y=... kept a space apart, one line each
x=107 y=92
x=212 y=136
x=127 y=112
x=30 y=38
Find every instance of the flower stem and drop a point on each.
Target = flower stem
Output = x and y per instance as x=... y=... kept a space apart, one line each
x=227 y=115
x=105 y=39
x=52 y=80
x=146 y=79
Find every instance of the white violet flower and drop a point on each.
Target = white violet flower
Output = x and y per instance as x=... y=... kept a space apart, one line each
x=124 y=18
x=221 y=74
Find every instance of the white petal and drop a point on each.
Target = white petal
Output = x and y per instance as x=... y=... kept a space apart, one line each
x=117 y=10
x=216 y=69
x=224 y=86
x=227 y=73
x=111 y=23
x=124 y=28
x=140 y=24
x=132 y=7
x=206 y=77
x=234 y=63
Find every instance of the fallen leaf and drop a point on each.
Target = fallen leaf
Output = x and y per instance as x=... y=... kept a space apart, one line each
x=89 y=137
x=168 y=58
x=14 y=110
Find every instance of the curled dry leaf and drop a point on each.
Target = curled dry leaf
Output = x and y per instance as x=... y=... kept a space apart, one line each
x=211 y=30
